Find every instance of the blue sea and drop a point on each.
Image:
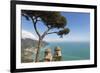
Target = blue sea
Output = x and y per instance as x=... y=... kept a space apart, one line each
x=70 y=50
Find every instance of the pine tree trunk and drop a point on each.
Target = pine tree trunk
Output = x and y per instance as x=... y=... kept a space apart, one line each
x=38 y=50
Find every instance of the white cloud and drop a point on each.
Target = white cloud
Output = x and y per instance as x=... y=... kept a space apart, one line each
x=26 y=34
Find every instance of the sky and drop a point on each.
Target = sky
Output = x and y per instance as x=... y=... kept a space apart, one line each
x=77 y=22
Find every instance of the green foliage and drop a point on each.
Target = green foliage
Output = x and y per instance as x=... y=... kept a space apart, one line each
x=49 y=18
x=63 y=32
x=54 y=20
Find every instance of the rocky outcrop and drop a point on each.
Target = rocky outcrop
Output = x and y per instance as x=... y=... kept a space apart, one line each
x=48 y=55
x=57 y=54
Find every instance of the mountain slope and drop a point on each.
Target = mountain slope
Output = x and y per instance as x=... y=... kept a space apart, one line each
x=28 y=42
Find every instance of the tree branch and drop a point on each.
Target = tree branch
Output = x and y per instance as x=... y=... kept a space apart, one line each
x=52 y=32
x=45 y=33
x=34 y=24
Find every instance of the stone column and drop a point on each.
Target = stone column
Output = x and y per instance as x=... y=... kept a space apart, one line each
x=57 y=54
x=48 y=55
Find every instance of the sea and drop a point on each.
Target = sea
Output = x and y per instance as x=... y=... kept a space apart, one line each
x=70 y=50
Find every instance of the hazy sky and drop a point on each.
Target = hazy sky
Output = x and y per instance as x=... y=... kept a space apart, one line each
x=78 y=23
